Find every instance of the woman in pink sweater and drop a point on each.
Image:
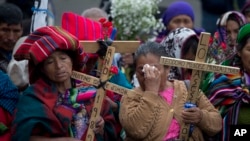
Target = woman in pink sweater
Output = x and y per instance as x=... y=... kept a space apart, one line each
x=156 y=111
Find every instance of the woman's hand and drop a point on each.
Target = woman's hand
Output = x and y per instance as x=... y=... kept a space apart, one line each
x=192 y=115
x=99 y=126
x=152 y=78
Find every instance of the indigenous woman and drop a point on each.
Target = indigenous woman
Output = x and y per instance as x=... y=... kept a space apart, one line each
x=224 y=42
x=155 y=112
x=52 y=108
x=223 y=45
x=178 y=14
x=230 y=93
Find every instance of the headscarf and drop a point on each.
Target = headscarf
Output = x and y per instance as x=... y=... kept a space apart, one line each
x=219 y=49
x=40 y=44
x=84 y=29
x=18 y=70
x=229 y=92
x=175 y=9
x=81 y=27
x=246 y=8
x=243 y=33
x=87 y=29
x=174 y=42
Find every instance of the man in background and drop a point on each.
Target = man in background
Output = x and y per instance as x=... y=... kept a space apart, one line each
x=10 y=31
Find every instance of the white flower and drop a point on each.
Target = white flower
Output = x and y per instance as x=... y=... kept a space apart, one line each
x=135 y=17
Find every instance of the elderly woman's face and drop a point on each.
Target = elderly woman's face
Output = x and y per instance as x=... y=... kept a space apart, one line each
x=180 y=21
x=58 y=67
x=152 y=60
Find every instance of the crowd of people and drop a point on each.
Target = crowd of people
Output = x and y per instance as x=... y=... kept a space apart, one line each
x=39 y=100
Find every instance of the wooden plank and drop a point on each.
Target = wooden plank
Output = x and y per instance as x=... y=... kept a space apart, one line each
x=201 y=55
x=85 y=78
x=96 y=82
x=120 y=46
x=198 y=65
x=100 y=95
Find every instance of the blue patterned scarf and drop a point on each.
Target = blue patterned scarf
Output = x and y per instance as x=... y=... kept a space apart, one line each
x=8 y=93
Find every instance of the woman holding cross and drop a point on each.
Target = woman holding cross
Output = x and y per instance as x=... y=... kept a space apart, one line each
x=52 y=108
x=156 y=110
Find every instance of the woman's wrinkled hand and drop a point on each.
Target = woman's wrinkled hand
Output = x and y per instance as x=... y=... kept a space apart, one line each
x=152 y=78
x=99 y=126
x=192 y=115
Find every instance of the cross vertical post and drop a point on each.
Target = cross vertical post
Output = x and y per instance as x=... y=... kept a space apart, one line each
x=100 y=93
x=197 y=66
x=92 y=47
x=201 y=56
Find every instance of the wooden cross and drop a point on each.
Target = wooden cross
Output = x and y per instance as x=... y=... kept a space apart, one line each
x=120 y=46
x=197 y=66
x=92 y=47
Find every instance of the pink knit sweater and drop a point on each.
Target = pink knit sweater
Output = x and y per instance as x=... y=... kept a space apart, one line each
x=174 y=129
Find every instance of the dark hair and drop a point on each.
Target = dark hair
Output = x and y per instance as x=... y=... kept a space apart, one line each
x=151 y=47
x=246 y=11
x=233 y=17
x=10 y=14
x=246 y=8
x=25 y=6
x=192 y=43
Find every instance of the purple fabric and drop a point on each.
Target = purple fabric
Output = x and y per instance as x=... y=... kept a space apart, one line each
x=177 y=8
x=246 y=8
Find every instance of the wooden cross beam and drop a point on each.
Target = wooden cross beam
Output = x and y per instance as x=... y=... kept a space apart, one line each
x=96 y=82
x=92 y=47
x=197 y=66
x=120 y=46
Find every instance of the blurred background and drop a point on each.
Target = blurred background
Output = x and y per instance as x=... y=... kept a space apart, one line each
x=78 y=6
x=206 y=11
